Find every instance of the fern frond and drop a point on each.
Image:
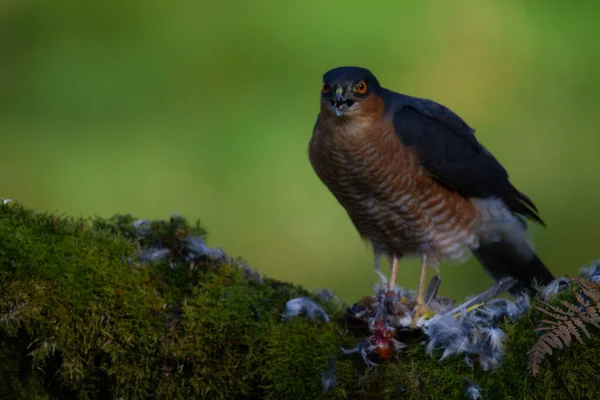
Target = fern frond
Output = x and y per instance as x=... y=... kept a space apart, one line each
x=566 y=321
x=590 y=289
x=581 y=326
x=579 y=296
x=541 y=349
x=572 y=329
x=572 y=308
x=558 y=312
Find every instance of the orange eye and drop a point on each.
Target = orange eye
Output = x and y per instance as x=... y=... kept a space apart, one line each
x=325 y=88
x=361 y=87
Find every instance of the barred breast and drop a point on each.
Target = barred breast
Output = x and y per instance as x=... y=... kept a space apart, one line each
x=391 y=199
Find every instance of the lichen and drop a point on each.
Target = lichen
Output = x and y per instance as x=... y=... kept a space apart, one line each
x=123 y=308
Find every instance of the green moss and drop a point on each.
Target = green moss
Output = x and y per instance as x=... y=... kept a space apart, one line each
x=292 y=359
x=82 y=317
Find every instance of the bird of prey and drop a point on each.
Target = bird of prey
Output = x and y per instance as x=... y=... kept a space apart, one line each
x=415 y=181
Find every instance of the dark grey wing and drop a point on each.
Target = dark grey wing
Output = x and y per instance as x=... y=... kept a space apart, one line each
x=448 y=149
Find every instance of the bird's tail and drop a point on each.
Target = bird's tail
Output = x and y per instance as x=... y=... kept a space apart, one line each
x=501 y=259
x=505 y=248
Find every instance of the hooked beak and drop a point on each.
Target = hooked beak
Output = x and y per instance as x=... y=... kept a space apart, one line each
x=340 y=103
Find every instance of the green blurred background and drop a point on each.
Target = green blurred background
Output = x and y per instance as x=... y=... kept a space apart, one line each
x=206 y=109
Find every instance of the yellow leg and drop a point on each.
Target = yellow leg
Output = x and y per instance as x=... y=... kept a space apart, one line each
x=394 y=274
x=420 y=304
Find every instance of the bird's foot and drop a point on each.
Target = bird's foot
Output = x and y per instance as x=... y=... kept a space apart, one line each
x=419 y=311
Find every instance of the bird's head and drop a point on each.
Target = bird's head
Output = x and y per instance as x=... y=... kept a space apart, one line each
x=345 y=89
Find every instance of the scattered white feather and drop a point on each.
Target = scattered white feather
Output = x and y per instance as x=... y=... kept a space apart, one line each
x=473 y=392
x=143 y=227
x=197 y=247
x=591 y=272
x=326 y=295
x=398 y=345
x=250 y=273
x=469 y=362
x=364 y=347
x=303 y=305
x=495 y=338
x=474 y=333
x=555 y=287
x=140 y=222
x=328 y=379
x=153 y=254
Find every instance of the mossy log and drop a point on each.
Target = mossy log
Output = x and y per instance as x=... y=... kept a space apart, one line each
x=119 y=309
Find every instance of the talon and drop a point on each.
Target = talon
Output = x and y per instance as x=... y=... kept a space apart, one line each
x=420 y=302
x=419 y=310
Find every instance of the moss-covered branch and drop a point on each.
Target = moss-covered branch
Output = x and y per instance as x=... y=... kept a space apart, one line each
x=121 y=308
